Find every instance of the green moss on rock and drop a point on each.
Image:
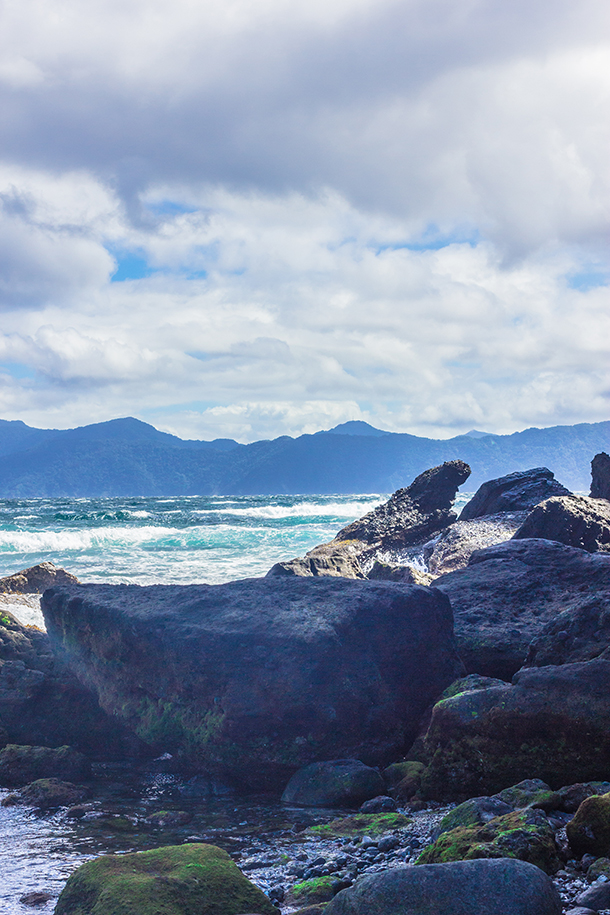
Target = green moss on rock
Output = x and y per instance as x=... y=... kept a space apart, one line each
x=589 y=830
x=524 y=834
x=318 y=889
x=599 y=868
x=361 y=824
x=191 y=879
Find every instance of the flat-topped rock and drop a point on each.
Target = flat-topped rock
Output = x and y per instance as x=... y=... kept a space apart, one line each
x=514 y=492
x=254 y=679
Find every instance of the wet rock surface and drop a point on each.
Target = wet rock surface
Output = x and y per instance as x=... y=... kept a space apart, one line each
x=509 y=592
x=255 y=679
x=514 y=492
x=453 y=548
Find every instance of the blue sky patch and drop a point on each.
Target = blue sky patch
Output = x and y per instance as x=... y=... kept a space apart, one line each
x=587 y=279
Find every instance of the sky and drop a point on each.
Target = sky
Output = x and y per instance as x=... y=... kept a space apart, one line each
x=252 y=218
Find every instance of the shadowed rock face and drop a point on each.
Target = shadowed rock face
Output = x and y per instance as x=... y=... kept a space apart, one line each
x=257 y=678
x=600 y=476
x=574 y=520
x=513 y=493
x=508 y=593
x=554 y=721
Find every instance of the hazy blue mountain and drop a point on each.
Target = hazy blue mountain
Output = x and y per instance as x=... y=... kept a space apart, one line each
x=128 y=457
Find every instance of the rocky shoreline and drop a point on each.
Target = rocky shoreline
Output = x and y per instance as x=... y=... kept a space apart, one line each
x=414 y=663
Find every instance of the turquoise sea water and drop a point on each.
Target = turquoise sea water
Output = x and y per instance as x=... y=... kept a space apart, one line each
x=175 y=540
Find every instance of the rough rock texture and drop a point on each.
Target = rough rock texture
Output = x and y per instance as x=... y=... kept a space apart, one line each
x=596 y=898
x=574 y=520
x=337 y=783
x=21 y=765
x=410 y=516
x=43 y=703
x=509 y=592
x=570 y=797
x=579 y=633
x=502 y=887
x=474 y=812
x=553 y=722
x=36 y=579
x=513 y=493
x=589 y=830
x=387 y=571
x=529 y=792
x=192 y=879
x=600 y=476
x=257 y=678
x=453 y=548
x=523 y=834
x=46 y=793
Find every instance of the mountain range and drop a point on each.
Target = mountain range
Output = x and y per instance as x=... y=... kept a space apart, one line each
x=127 y=457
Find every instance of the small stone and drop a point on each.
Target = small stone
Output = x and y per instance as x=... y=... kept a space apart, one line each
x=380 y=804
x=367 y=842
x=34 y=899
x=387 y=843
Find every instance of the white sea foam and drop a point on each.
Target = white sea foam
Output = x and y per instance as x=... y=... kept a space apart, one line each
x=299 y=510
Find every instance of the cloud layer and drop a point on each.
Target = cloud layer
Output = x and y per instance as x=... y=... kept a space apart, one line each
x=250 y=220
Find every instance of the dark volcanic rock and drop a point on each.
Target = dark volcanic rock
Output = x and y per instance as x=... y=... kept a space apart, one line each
x=20 y=765
x=513 y=493
x=509 y=592
x=574 y=520
x=336 y=783
x=554 y=721
x=453 y=547
x=589 y=830
x=46 y=793
x=413 y=514
x=36 y=579
x=43 y=703
x=256 y=678
x=410 y=516
x=484 y=887
x=580 y=633
x=600 y=476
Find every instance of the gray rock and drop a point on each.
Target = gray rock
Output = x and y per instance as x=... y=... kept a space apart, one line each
x=580 y=633
x=453 y=547
x=253 y=679
x=526 y=792
x=596 y=897
x=513 y=493
x=36 y=579
x=580 y=910
x=600 y=476
x=510 y=592
x=484 y=887
x=379 y=804
x=577 y=521
x=473 y=812
x=20 y=764
x=481 y=741
x=336 y=783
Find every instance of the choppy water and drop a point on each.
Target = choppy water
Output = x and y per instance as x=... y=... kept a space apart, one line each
x=146 y=541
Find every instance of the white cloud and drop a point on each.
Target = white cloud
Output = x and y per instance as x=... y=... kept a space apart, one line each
x=347 y=210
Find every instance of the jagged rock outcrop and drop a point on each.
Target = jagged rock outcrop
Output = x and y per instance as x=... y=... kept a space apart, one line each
x=509 y=592
x=253 y=679
x=453 y=547
x=36 y=579
x=600 y=476
x=551 y=721
x=43 y=703
x=515 y=492
x=574 y=520
x=411 y=516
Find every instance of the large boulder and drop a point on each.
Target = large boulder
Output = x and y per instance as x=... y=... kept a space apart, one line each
x=36 y=579
x=484 y=887
x=589 y=830
x=574 y=520
x=455 y=545
x=336 y=783
x=508 y=593
x=513 y=493
x=551 y=722
x=254 y=679
x=20 y=765
x=600 y=476
x=193 y=879
x=43 y=703
x=579 y=633
x=411 y=516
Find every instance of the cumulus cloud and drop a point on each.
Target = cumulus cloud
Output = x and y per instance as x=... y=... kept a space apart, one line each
x=386 y=211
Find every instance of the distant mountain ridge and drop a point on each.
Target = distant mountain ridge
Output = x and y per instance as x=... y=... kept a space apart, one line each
x=127 y=457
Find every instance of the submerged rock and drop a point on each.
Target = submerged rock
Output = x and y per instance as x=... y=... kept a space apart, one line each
x=484 y=887
x=337 y=783
x=574 y=520
x=554 y=721
x=257 y=678
x=509 y=592
x=193 y=879
x=514 y=492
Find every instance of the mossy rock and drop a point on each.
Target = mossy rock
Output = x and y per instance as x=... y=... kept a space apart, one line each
x=395 y=773
x=318 y=889
x=361 y=824
x=589 y=830
x=599 y=868
x=524 y=834
x=191 y=879
x=22 y=764
x=474 y=812
x=529 y=793
x=45 y=793
x=470 y=683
